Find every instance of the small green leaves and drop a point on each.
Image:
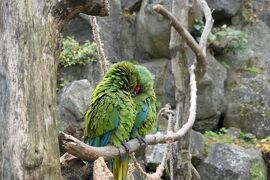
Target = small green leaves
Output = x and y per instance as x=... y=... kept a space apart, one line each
x=74 y=53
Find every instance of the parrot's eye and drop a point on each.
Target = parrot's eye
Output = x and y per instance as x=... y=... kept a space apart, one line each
x=136 y=89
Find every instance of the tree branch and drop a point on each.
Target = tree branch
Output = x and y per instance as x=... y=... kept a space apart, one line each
x=208 y=24
x=85 y=152
x=64 y=10
x=198 y=49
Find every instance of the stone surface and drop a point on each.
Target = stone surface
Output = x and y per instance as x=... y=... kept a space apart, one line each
x=211 y=102
x=197 y=143
x=90 y=71
x=248 y=84
x=224 y=9
x=152 y=32
x=79 y=28
x=117 y=33
x=73 y=101
x=154 y=154
x=234 y=132
x=226 y=162
x=261 y=9
x=164 y=82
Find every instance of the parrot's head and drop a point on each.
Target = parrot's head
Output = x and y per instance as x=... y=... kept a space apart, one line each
x=128 y=74
x=145 y=80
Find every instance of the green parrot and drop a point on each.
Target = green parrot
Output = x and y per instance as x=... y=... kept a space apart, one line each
x=145 y=101
x=112 y=112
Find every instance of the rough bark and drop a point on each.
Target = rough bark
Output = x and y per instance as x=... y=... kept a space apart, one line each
x=179 y=60
x=29 y=43
x=28 y=79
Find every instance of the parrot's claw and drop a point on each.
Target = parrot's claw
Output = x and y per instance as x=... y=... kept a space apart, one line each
x=125 y=145
x=141 y=140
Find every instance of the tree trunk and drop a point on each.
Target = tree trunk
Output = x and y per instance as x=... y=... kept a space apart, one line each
x=29 y=42
x=28 y=137
x=179 y=60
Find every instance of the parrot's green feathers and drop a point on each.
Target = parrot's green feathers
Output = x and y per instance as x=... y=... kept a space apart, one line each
x=112 y=110
x=145 y=102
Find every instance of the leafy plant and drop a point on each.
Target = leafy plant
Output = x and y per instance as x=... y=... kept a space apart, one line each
x=223 y=38
x=74 y=53
x=227 y=38
x=256 y=172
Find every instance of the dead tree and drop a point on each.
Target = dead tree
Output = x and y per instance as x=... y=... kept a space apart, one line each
x=30 y=34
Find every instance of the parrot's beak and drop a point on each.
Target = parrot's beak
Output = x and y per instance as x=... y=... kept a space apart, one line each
x=136 y=90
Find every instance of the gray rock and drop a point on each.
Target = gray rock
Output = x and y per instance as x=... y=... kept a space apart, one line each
x=154 y=154
x=234 y=132
x=117 y=33
x=261 y=8
x=152 y=31
x=90 y=71
x=248 y=83
x=79 y=28
x=226 y=162
x=72 y=103
x=224 y=8
x=197 y=143
x=211 y=102
x=164 y=82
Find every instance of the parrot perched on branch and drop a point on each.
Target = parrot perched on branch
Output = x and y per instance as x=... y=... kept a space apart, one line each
x=112 y=112
x=145 y=101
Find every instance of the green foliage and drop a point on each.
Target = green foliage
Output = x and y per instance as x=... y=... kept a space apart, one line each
x=74 y=53
x=248 y=137
x=245 y=140
x=256 y=172
x=254 y=70
x=198 y=27
x=227 y=38
x=63 y=83
x=226 y=65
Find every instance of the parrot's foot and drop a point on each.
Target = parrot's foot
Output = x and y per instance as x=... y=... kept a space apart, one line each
x=125 y=145
x=141 y=140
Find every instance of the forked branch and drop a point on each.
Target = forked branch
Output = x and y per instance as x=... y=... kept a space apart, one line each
x=198 y=49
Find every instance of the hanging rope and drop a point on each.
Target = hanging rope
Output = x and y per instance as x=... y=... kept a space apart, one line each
x=102 y=58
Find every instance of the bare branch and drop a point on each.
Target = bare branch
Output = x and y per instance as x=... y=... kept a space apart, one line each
x=64 y=10
x=85 y=152
x=208 y=25
x=199 y=50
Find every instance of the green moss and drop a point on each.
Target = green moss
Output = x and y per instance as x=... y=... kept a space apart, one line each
x=256 y=172
x=245 y=140
x=254 y=70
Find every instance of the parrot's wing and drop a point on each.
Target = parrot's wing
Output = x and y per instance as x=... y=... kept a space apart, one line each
x=150 y=118
x=110 y=119
x=142 y=108
x=101 y=119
